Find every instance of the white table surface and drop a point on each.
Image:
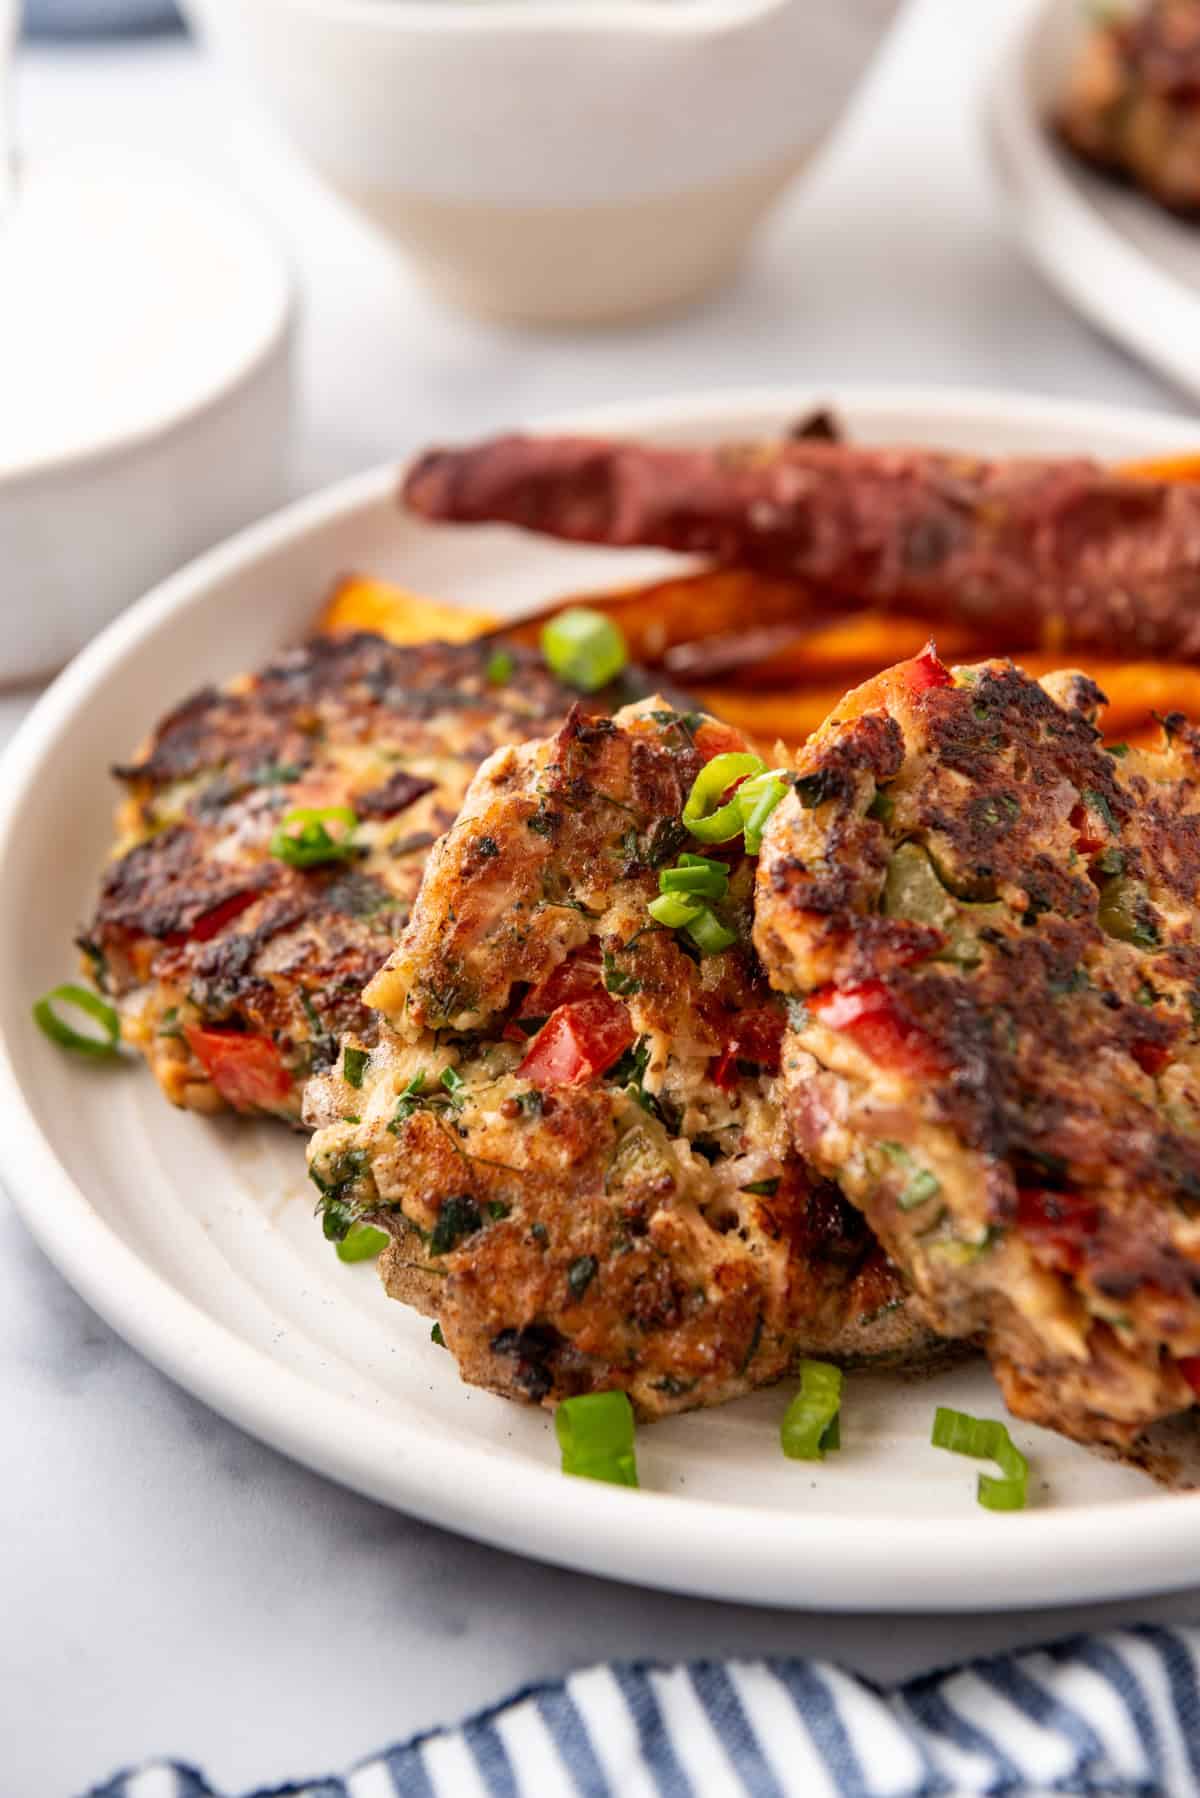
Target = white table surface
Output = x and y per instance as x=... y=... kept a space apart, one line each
x=166 y=1584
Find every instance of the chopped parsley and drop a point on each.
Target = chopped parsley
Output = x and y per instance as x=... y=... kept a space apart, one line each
x=458 y=1217
x=354 y=1062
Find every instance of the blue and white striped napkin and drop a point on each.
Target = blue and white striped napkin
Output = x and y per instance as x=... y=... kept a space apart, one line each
x=1115 y=1714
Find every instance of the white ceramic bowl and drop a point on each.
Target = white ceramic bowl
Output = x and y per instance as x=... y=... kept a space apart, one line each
x=556 y=161
x=146 y=389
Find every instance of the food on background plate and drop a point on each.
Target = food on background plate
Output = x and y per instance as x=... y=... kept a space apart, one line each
x=565 y=1121
x=1054 y=552
x=984 y=921
x=270 y=842
x=1132 y=101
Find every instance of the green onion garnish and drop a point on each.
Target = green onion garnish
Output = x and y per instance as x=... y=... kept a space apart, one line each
x=595 y=1434
x=499 y=670
x=584 y=648
x=985 y=1440
x=312 y=843
x=674 y=910
x=757 y=799
x=709 y=934
x=354 y=1062
x=709 y=883
x=62 y=1033
x=810 y=1423
x=722 y=824
x=362 y=1242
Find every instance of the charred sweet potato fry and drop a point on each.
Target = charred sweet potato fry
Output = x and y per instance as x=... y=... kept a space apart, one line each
x=656 y=616
x=1063 y=552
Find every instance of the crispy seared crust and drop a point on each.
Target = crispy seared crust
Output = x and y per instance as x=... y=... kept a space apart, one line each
x=609 y=1235
x=197 y=924
x=1132 y=103
x=1062 y=551
x=1019 y=1116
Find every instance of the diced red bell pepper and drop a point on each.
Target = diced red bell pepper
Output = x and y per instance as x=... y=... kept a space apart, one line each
x=924 y=671
x=578 y=1042
x=870 y=1017
x=207 y=925
x=209 y=922
x=755 y=1036
x=1189 y=1367
x=1152 y=1058
x=246 y=1070
x=1057 y=1223
x=576 y=978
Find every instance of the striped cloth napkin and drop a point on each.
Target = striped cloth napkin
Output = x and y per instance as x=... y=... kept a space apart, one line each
x=1111 y=1714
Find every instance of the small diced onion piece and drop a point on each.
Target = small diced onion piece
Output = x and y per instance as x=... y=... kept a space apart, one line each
x=362 y=1242
x=595 y=1434
x=810 y=1423
x=584 y=648
x=313 y=842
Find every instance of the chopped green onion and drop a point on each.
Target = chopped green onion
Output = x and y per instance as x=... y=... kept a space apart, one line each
x=691 y=860
x=354 y=1062
x=312 y=843
x=595 y=1434
x=709 y=934
x=62 y=1033
x=757 y=799
x=810 y=1423
x=674 y=910
x=499 y=670
x=709 y=883
x=722 y=824
x=923 y=1185
x=362 y=1242
x=584 y=648
x=985 y=1440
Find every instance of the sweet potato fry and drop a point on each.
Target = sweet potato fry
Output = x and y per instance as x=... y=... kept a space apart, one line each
x=360 y=603
x=658 y=615
x=1164 y=468
x=841 y=649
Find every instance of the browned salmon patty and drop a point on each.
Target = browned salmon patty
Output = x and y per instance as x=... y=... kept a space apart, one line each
x=986 y=923
x=566 y=1122
x=235 y=972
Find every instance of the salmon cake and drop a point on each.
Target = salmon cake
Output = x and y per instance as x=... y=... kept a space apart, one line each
x=270 y=842
x=566 y=1122
x=984 y=921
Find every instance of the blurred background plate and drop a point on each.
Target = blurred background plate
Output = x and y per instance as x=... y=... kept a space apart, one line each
x=1129 y=266
x=196 y=1240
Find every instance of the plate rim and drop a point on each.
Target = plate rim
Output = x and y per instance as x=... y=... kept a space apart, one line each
x=1090 y=264
x=708 y=1548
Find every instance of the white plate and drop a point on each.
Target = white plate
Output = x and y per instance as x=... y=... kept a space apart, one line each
x=1113 y=253
x=197 y=1242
